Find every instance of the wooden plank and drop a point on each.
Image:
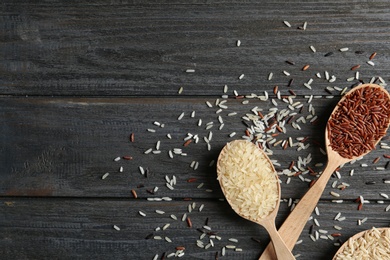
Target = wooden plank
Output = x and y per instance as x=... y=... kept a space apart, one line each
x=63 y=147
x=79 y=78
x=144 y=48
x=84 y=228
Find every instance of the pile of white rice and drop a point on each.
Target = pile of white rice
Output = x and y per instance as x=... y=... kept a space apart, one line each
x=374 y=244
x=249 y=180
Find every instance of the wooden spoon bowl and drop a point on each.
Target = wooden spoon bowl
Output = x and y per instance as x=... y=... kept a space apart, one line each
x=267 y=221
x=366 y=236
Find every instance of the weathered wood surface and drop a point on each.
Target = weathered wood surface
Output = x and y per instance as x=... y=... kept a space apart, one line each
x=68 y=229
x=63 y=147
x=78 y=78
x=131 y=48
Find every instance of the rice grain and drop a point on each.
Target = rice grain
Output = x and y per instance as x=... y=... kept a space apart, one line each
x=237 y=172
x=374 y=244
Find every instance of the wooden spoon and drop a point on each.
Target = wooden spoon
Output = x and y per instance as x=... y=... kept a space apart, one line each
x=357 y=236
x=268 y=221
x=295 y=222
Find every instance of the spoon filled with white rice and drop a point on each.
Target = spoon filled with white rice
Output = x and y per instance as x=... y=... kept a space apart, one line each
x=251 y=187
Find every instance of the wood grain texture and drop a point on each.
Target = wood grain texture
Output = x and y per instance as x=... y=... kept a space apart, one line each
x=78 y=78
x=63 y=147
x=119 y=48
x=78 y=228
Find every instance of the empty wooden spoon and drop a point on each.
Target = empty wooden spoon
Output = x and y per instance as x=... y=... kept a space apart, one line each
x=251 y=186
x=350 y=130
x=370 y=244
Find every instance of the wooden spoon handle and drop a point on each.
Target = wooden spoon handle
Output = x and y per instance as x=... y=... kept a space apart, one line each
x=292 y=227
x=282 y=252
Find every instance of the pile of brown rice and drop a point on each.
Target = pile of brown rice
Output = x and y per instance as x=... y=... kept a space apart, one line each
x=248 y=179
x=374 y=244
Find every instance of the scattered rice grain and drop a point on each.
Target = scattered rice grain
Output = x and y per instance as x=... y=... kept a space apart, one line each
x=116 y=228
x=287 y=23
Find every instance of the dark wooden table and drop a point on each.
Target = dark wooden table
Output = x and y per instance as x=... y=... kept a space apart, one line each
x=78 y=79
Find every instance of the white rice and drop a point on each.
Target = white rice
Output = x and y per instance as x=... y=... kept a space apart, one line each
x=207 y=227
x=248 y=179
x=180 y=116
x=384 y=195
x=374 y=244
x=116 y=228
x=334 y=194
